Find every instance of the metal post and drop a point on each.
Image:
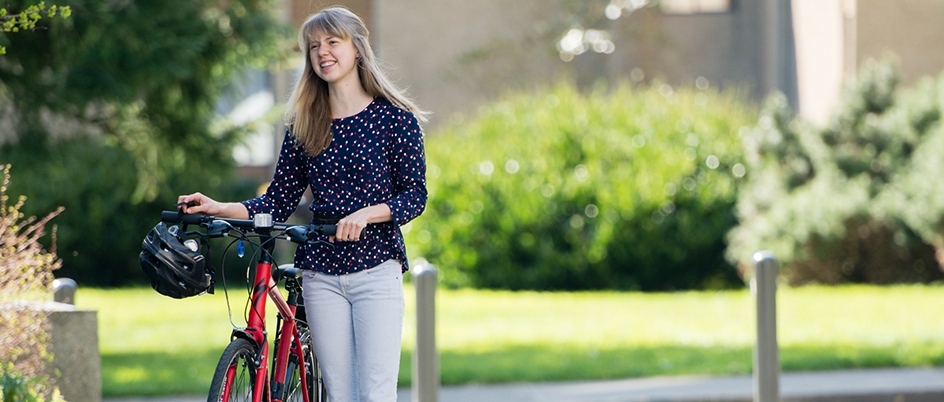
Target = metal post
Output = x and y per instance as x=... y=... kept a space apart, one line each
x=63 y=290
x=425 y=356
x=766 y=352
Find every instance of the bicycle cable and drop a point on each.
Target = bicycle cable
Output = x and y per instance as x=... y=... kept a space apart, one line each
x=256 y=249
x=250 y=274
x=250 y=306
x=246 y=238
x=229 y=308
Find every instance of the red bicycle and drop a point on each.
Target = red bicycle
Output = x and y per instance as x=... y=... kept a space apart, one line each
x=243 y=373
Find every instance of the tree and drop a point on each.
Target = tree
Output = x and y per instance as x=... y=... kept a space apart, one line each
x=27 y=19
x=111 y=113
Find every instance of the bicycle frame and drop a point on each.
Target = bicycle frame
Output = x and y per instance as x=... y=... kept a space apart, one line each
x=292 y=344
x=289 y=340
x=267 y=386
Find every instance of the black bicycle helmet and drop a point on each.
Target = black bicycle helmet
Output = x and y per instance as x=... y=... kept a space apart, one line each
x=174 y=269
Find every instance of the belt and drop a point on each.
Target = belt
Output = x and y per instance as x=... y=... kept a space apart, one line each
x=323 y=218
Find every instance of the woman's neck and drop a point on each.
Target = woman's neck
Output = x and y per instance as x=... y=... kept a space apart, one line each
x=348 y=100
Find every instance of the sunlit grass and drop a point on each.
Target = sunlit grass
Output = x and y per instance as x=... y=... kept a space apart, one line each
x=152 y=344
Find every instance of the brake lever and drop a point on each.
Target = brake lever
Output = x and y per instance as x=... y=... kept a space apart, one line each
x=217 y=229
x=297 y=234
x=322 y=242
x=189 y=204
x=194 y=233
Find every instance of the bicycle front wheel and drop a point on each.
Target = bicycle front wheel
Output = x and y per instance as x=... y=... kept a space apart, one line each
x=235 y=375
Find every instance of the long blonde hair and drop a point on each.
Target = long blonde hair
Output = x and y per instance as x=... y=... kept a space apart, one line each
x=309 y=111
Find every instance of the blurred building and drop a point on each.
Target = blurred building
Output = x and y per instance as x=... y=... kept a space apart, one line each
x=454 y=55
x=835 y=37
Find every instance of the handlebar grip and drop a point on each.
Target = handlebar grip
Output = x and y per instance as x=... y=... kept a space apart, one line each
x=327 y=230
x=174 y=216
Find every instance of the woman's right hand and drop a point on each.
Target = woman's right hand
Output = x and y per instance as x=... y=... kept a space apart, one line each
x=201 y=205
x=204 y=205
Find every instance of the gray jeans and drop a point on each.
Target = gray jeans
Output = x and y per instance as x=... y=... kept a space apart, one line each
x=356 y=323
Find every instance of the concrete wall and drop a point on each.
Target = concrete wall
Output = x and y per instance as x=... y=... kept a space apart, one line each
x=820 y=48
x=455 y=55
x=299 y=10
x=911 y=29
x=835 y=37
x=73 y=342
x=74 y=346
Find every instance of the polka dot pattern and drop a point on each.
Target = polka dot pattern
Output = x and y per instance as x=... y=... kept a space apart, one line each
x=376 y=156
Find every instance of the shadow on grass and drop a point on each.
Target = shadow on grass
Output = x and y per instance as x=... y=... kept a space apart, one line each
x=140 y=374
x=552 y=363
x=837 y=357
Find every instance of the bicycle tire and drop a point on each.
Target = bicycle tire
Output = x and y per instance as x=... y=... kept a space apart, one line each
x=235 y=375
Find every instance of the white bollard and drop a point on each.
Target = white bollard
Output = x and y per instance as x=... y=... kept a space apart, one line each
x=425 y=356
x=63 y=290
x=766 y=351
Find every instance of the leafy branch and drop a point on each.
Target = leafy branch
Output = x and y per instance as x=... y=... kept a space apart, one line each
x=25 y=276
x=27 y=19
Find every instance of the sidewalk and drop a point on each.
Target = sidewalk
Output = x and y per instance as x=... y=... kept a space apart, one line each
x=869 y=385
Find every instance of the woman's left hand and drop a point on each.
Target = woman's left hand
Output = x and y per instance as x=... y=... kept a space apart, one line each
x=352 y=226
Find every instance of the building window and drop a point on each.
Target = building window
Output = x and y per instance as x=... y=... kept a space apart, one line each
x=694 y=6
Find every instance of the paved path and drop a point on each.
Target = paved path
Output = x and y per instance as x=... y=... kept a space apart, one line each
x=871 y=385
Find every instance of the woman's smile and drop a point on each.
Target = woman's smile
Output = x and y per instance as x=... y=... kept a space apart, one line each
x=335 y=58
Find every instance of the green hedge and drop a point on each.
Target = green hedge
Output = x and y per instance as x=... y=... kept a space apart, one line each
x=857 y=200
x=631 y=188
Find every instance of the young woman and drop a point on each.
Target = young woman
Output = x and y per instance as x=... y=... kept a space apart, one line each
x=355 y=141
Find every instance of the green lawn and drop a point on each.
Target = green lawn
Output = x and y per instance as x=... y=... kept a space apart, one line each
x=154 y=345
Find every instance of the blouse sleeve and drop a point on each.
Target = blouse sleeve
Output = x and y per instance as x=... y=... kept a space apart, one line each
x=288 y=184
x=408 y=167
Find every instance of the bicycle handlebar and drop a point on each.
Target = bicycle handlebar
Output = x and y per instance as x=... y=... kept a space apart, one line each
x=195 y=219
x=189 y=219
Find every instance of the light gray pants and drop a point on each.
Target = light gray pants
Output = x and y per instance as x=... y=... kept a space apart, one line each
x=356 y=323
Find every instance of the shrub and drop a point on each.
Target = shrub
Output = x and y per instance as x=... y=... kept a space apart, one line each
x=855 y=200
x=26 y=272
x=627 y=189
x=14 y=387
x=127 y=115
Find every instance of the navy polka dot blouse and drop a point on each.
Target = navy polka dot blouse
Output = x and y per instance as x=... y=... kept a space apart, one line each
x=376 y=156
